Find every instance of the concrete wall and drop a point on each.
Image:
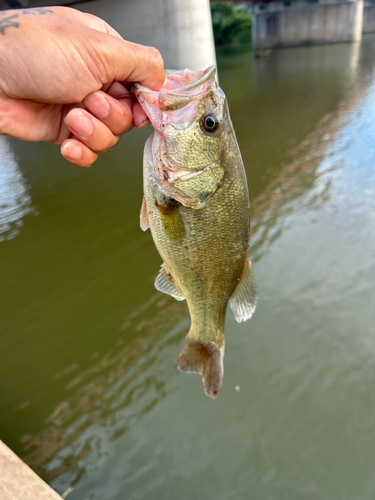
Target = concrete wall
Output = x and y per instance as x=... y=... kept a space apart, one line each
x=369 y=18
x=304 y=23
x=19 y=482
x=180 y=29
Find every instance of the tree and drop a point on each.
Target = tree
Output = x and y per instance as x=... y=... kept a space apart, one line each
x=231 y=25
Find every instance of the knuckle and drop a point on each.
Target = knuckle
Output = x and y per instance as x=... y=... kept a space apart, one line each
x=107 y=144
x=155 y=57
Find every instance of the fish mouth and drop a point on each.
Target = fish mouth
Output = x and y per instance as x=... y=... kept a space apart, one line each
x=193 y=173
x=196 y=81
x=194 y=188
x=179 y=89
x=181 y=81
x=172 y=176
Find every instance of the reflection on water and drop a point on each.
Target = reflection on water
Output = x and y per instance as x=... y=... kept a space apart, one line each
x=90 y=394
x=113 y=394
x=15 y=201
x=300 y=175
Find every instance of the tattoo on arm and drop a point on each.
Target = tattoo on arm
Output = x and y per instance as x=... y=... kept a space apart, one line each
x=36 y=12
x=9 y=20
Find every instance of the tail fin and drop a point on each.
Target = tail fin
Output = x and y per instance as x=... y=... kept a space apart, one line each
x=206 y=359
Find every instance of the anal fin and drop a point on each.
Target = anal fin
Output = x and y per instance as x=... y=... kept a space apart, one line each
x=164 y=283
x=143 y=216
x=244 y=298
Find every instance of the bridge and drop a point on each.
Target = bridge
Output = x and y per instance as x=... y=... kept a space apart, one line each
x=182 y=30
x=287 y=23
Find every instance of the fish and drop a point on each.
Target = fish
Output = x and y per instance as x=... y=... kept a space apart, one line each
x=196 y=204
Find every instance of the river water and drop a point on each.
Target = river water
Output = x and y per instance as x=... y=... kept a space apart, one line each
x=90 y=395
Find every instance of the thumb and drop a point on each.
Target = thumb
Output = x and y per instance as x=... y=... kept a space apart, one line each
x=125 y=61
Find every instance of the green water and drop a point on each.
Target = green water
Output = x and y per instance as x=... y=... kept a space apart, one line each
x=90 y=395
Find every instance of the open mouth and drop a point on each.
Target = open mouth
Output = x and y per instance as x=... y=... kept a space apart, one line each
x=172 y=176
x=180 y=81
x=180 y=88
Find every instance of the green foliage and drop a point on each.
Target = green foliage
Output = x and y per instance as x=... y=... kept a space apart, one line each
x=231 y=25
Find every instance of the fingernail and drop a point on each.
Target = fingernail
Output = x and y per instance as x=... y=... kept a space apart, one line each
x=71 y=151
x=144 y=124
x=98 y=105
x=79 y=123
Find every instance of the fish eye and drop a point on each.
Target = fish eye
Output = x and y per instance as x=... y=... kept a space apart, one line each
x=210 y=123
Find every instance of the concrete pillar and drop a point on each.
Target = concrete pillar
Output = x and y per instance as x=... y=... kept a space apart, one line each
x=358 y=21
x=180 y=29
x=19 y=482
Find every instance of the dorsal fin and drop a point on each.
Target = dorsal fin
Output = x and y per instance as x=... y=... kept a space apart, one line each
x=164 y=283
x=244 y=298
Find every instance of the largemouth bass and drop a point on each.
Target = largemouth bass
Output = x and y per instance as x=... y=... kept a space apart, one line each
x=196 y=204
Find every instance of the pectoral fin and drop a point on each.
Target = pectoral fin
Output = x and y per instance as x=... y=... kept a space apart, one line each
x=164 y=283
x=243 y=300
x=144 y=216
x=171 y=220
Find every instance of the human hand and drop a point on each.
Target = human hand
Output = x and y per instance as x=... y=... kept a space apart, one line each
x=64 y=78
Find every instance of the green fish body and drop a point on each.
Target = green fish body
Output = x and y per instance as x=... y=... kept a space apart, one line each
x=196 y=204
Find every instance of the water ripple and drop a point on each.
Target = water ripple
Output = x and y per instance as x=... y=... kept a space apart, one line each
x=15 y=202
